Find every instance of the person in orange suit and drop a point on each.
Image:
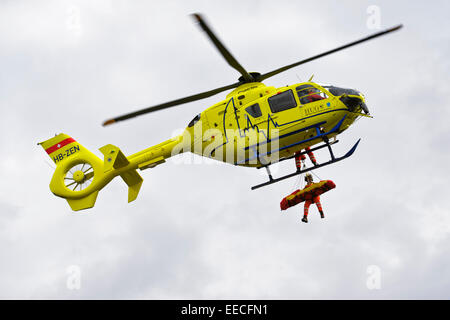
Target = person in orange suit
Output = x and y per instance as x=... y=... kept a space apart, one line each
x=316 y=200
x=313 y=96
x=310 y=95
x=301 y=157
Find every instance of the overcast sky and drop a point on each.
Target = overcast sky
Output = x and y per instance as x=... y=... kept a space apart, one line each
x=197 y=231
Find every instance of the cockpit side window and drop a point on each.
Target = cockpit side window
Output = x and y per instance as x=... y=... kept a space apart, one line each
x=254 y=110
x=307 y=93
x=282 y=101
x=195 y=120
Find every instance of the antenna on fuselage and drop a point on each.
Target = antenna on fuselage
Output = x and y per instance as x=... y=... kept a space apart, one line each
x=312 y=76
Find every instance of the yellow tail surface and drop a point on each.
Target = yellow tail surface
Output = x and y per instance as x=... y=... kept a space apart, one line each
x=80 y=174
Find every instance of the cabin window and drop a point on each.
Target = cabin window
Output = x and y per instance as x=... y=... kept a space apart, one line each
x=282 y=101
x=254 y=110
x=307 y=94
x=194 y=121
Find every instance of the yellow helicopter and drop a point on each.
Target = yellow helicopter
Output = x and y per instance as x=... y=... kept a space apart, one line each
x=255 y=126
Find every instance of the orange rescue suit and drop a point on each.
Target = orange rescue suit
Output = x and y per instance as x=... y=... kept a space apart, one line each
x=308 y=203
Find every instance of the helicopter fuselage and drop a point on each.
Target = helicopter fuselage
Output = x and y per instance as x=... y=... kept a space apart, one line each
x=256 y=124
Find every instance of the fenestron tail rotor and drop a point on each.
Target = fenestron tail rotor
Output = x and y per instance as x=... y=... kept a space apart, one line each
x=246 y=77
x=79 y=177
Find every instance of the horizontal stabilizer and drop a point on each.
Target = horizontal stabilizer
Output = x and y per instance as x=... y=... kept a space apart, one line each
x=114 y=158
x=83 y=203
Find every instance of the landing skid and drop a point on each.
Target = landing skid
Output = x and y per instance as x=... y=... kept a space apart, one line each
x=333 y=160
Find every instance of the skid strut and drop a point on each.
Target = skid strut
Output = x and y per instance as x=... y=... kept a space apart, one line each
x=333 y=160
x=269 y=173
x=304 y=152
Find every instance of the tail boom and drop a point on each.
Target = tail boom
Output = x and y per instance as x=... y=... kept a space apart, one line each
x=72 y=159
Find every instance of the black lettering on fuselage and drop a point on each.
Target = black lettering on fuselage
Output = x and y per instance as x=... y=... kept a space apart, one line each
x=313 y=109
x=66 y=153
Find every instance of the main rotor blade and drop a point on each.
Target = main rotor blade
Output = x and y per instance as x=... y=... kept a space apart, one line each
x=282 y=69
x=223 y=51
x=173 y=103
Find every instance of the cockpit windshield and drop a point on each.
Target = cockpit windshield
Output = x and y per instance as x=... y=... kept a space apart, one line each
x=347 y=96
x=336 y=91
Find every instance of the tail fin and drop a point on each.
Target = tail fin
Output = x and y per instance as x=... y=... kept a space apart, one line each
x=60 y=147
x=80 y=174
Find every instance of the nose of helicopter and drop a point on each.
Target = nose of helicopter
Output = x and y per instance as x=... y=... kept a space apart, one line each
x=354 y=102
x=364 y=107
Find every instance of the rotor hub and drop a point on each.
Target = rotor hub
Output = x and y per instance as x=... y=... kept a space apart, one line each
x=255 y=75
x=78 y=176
